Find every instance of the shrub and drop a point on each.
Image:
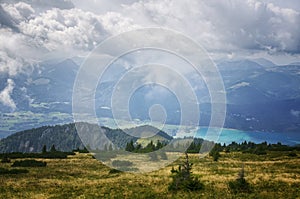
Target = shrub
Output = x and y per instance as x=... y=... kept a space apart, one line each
x=12 y=171
x=182 y=178
x=54 y=155
x=259 y=151
x=292 y=154
x=113 y=171
x=216 y=155
x=5 y=159
x=215 y=152
x=29 y=163
x=84 y=150
x=240 y=185
x=46 y=155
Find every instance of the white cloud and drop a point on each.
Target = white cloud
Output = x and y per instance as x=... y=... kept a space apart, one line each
x=225 y=25
x=5 y=98
x=42 y=5
x=20 y=11
x=295 y=113
x=240 y=85
x=35 y=30
x=65 y=29
x=116 y=23
x=15 y=54
x=33 y=34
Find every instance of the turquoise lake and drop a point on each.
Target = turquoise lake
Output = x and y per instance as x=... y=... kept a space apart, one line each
x=229 y=135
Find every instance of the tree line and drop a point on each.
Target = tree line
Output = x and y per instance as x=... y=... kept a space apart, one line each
x=150 y=147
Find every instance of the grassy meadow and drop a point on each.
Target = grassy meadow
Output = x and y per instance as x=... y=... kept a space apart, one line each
x=274 y=175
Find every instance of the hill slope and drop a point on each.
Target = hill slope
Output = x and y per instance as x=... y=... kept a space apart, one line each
x=65 y=138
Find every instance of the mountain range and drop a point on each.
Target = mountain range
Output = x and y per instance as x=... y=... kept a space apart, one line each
x=261 y=96
x=66 y=138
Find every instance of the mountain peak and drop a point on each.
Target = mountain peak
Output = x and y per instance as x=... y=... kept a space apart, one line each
x=147 y=131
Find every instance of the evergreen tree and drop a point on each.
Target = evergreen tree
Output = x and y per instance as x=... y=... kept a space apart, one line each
x=138 y=147
x=52 y=150
x=159 y=145
x=44 y=149
x=129 y=146
x=110 y=148
x=216 y=155
x=240 y=184
x=105 y=147
x=150 y=147
x=182 y=178
x=215 y=152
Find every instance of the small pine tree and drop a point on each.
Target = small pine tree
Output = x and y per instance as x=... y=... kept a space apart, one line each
x=53 y=149
x=159 y=145
x=182 y=178
x=215 y=152
x=216 y=156
x=138 y=147
x=44 y=149
x=84 y=150
x=110 y=148
x=129 y=146
x=150 y=147
x=105 y=147
x=240 y=184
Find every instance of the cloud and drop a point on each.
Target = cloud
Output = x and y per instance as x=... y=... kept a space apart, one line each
x=14 y=53
x=65 y=29
x=5 y=97
x=42 y=5
x=32 y=31
x=239 y=85
x=102 y=7
x=29 y=33
x=225 y=25
x=6 y=20
x=20 y=11
x=295 y=113
x=116 y=23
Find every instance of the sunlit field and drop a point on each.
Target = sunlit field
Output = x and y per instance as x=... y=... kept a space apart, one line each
x=275 y=175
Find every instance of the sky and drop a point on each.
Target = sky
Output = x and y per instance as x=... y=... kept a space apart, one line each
x=32 y=31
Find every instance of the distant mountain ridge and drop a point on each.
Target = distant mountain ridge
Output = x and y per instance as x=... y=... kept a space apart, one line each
x=66 y=138
x=44 y=97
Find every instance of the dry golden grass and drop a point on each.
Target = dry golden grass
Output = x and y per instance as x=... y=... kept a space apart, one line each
x=272 y=176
